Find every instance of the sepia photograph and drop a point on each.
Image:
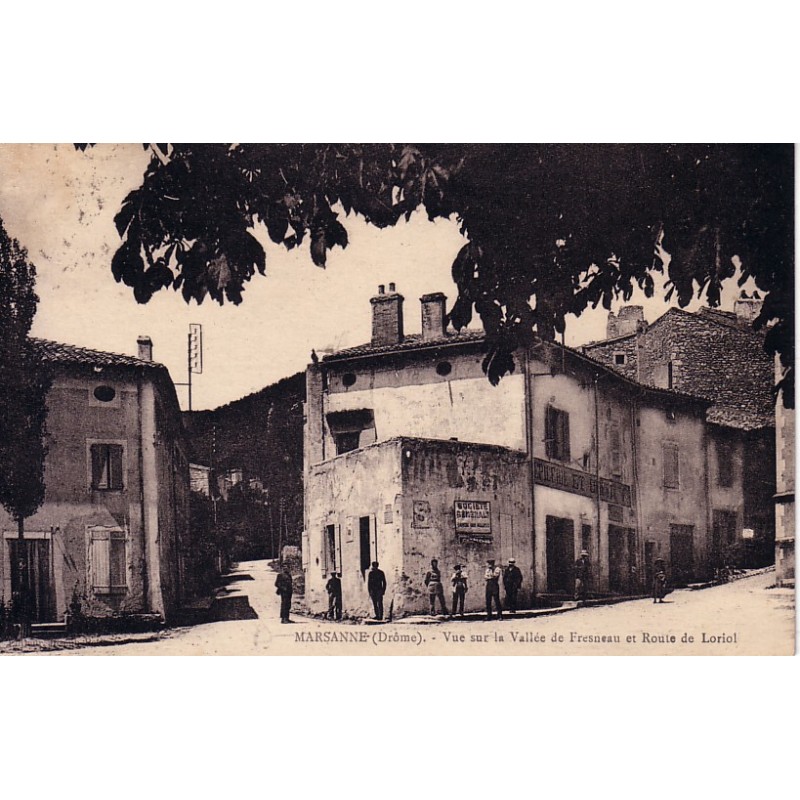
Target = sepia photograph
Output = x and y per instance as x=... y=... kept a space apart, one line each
x=397 y=399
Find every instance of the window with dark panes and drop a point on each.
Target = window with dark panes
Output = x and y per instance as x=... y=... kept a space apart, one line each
x=725 y=464
x=671 y=465
x=556 y=433
x=106 y=466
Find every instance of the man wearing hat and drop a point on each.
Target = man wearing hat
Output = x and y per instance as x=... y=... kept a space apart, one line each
x=334 y=589
x=376 y=586
x=284 y=588
x=433 y=580
x=459 y=581
x=512 y=580
x=492 y=578
x=582 y=568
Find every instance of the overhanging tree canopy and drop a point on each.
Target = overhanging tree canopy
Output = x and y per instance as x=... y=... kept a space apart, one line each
x=550 y=229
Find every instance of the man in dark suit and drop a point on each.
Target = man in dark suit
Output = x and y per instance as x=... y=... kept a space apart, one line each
x=376 y=586
x=283 y=587
x=334 y=589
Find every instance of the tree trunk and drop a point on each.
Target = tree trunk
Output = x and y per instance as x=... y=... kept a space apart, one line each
x=24 y=600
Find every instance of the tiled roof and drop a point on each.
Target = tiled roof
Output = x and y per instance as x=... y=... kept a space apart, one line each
x=412 y=342
x=416 y=342
x=721 y=357
x=746 y=420
x=59 y=353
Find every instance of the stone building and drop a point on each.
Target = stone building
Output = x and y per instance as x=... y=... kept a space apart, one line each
x=717 y=355
x=784 y=494
x=411 y=454
x=112 y=534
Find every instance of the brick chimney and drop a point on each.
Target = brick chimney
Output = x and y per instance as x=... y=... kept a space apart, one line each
x=433 y=316
x=629 y=320
x=387 y=316
x=747 y=308
x=145 y=344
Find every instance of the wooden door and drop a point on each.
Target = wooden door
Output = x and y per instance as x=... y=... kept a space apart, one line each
x=32 y=578
x=560 y=542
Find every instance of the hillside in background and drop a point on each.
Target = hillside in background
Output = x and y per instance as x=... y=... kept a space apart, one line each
x=261 y=435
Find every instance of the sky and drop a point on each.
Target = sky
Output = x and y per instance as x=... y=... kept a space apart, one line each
x=60 y=204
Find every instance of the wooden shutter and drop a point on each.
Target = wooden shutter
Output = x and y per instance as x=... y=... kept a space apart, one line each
x=101 y=567
x=373 y=536
x=616 y=456
x=564 y=451
x=549 y=432
x=671 y=465
x=114 y=466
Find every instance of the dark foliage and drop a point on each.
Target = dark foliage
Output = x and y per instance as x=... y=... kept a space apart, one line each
x=550 y=229
x=261 y=434
x=24 y=382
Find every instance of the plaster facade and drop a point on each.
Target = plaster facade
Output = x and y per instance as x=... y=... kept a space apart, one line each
x=111 y=536
x=568 y=453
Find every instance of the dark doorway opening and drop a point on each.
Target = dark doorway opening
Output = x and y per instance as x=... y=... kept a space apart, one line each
x=363 y=537
x=681 y=555
x=621 y=548
x=31 y=576
x=560 y=542
x=723 y=536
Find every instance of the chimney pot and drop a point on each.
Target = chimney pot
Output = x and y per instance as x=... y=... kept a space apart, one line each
x=747 y=308
x=629 y=320
x=387 y=317
x=392 y=287
x=145 y=345
x=381 y=289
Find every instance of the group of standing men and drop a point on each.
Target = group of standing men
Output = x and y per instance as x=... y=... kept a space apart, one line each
x=511 y=577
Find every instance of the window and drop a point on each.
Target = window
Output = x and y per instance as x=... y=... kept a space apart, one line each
x=670 y=376
x=725 y=464
x=346 y=441
x=615 y=447
x=671 y=465
x=346 y=428
x=105 y=394
x=108 y=561
x=619 y=359
x=106 y=466
x=444 y=368
x=556 y=433
x=348 y=379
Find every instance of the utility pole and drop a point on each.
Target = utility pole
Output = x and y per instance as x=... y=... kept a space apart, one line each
x=194 y=357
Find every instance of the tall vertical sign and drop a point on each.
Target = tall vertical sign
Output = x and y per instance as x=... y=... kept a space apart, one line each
x=194 y=355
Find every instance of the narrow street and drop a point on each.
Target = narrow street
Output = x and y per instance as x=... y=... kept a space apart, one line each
x=743 y=617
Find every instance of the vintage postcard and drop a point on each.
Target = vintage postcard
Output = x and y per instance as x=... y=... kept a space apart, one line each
x=397 y=399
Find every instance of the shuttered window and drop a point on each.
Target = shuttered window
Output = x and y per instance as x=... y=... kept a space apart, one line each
x=108 y=561
x=616 y=451
x=725 y=464
x=671 y=465
x=106 y=466
x=556 y=434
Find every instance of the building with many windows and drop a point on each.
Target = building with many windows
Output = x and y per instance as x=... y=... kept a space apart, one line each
x=411 y=454
x=718 y=355
x=112 y=534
